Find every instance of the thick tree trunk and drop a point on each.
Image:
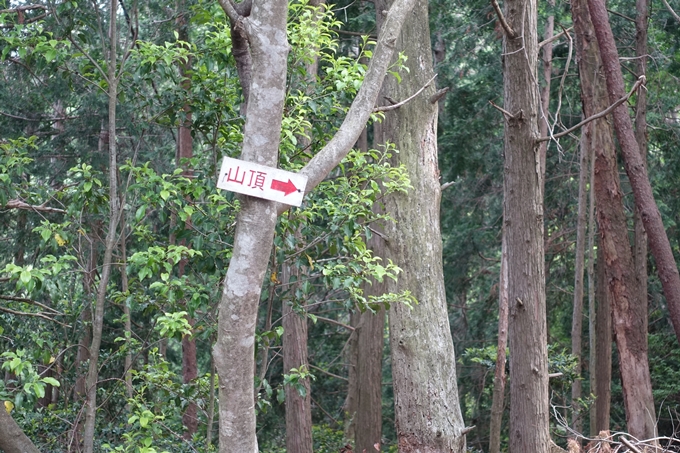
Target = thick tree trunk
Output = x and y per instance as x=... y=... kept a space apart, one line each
x=630 y=313
x=498 y=401
x=635 y=168
x=12 y=438
x=233 y=352
x=298 y=407
x=427 y=412
x=523 y=223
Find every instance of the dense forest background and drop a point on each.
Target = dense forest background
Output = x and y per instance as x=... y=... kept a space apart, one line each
x=174 y=69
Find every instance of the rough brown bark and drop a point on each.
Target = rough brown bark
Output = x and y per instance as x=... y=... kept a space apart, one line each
x=427 y=412
x=298 y=407
x=635 y=168
x=630 y=313
x=12 y=438
x=603 y=371
x=498 y=401
x=579 y=270
x=640 y=245
x=523 y=223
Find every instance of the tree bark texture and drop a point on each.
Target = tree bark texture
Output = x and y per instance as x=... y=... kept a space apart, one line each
x=603 y=352
x=235 y=347
x=629 y=311
x=523 y=223
x=579 y=268
x=498 y=400
x=635 y=168
x=640 y=246
x=428 y=417
x=233 y=352
x=298 y=407
x=12 y=438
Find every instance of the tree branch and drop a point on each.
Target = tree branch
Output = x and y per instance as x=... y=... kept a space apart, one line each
x=670 y=10
x=501 y=18
x=32 y=302
x=333 y=321
x=362 y=106
x=36 y=315
x=230 y=10
x=18 y=204
x=640 y=82
x=554 y=37
x=387 y=108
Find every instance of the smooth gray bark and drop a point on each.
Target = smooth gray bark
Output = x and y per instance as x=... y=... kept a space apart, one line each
x=12 y=438
x=233 y=352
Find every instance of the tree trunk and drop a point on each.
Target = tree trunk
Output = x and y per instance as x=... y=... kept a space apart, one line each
x=579 y=270
x=523 y=223
x=640 y=246
x=603 y=352
x=635 y=168
x=630 y=313
x=427 y=412
x=12 y=438
x=298 y=407
x=110 y=241
x=498 y=401
x=233 y=352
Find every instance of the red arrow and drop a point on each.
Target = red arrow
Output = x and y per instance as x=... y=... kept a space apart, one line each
x=285 y=187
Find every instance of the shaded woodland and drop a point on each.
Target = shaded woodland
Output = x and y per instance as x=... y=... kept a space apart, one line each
x=485 y=258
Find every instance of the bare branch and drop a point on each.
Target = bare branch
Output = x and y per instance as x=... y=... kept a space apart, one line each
x=230 y=10
x=554 y=37
x=501 y=18
x=387 y=108
x=328 y=373
x=18 y=204
x=32 y=302
x=333 y=321
x=36 y=315
x=507 y=114
x=673 y=13
x=640 y=82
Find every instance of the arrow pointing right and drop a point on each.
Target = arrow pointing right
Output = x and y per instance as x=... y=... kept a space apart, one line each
x=286 y=187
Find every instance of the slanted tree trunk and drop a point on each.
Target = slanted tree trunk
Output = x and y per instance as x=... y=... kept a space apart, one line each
x=428 y=417
x=634 y=165
x=523 y=223
x=265 y=26
x=630 y=313
x=498 y=401
x=12 y=438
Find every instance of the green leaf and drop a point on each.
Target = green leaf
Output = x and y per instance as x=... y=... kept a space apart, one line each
x=25 y=276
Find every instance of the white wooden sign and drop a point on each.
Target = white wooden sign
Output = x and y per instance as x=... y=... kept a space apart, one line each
x=262 y=182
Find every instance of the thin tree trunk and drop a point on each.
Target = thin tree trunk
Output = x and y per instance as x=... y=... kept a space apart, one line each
x=298 y=406
x=110 y=242
x=579 y=267
x=126 y=308
x=523 y=223
x=640 y=247
x=593 y=361
x=428 y=417
x=603 y=351
x=498 y=401
x=635 y=168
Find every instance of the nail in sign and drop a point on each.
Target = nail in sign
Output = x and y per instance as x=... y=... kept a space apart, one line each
x=262 y=182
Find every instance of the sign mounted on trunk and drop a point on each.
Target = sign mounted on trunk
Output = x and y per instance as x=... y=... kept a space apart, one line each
x=262 y=182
